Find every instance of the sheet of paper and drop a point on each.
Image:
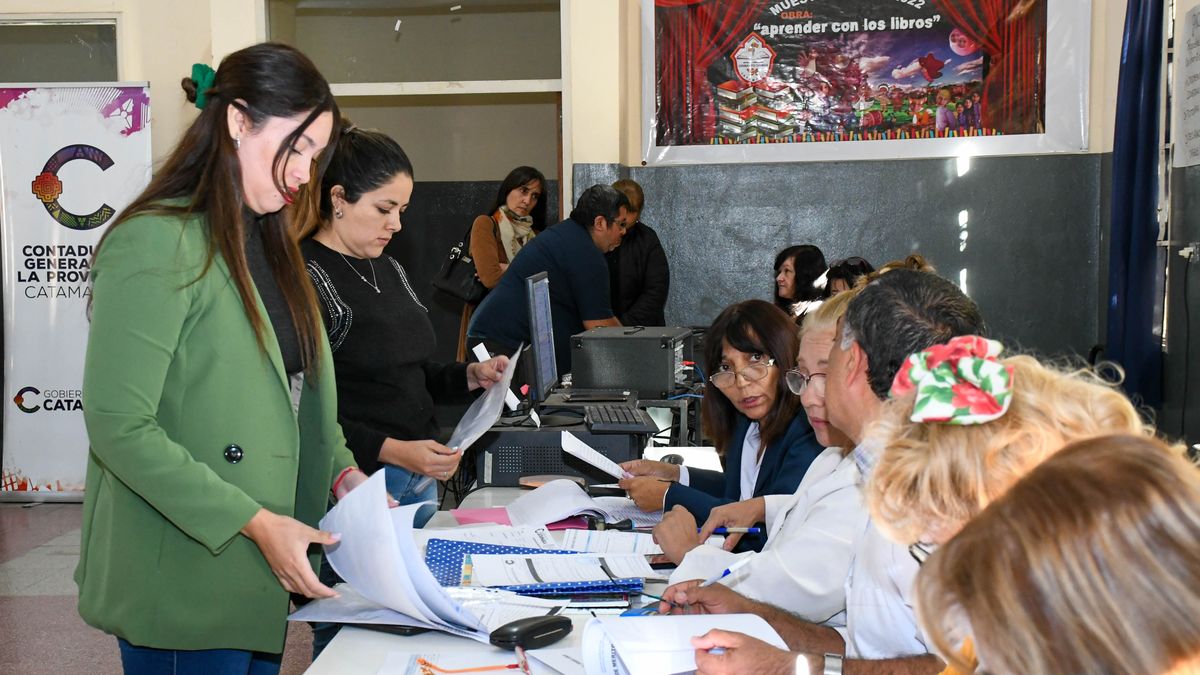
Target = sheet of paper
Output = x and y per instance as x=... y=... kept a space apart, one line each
x=649 y=645
x=485 y=411
x=582 y=451
x=368 y=554
x=620 y=508
x=555 y=660
x=524 y=536
x=553 y=501
x=481 y=355
x=496 y=607
x=445 y=609
x=609 y=541
x=351 y=607
x=378 y=557
x=511 y=570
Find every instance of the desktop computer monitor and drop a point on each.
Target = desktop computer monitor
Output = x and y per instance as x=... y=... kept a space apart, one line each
x=541 y=337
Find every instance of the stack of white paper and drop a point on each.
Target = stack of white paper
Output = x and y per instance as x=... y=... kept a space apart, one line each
x=550 y=568
x=650 y=645
x=609 y=541
x=503 y=535
x=378 y=557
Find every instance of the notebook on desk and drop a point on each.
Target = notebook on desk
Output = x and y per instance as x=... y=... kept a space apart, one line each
x=450 y=564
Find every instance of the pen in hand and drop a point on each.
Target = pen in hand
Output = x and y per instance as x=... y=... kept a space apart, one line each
x=734 y=530
x=728 y=570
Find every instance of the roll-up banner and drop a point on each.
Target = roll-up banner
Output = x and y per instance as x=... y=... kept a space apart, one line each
x=72 y=156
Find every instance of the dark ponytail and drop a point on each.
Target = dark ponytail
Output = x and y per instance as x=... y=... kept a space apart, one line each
x=262 y=81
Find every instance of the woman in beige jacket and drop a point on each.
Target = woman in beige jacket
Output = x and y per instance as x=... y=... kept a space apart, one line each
x=516 y=216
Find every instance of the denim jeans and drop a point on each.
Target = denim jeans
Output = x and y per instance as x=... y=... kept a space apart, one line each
x=150 y=661
x=402 y=486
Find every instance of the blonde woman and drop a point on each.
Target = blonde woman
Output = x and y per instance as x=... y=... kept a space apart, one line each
x=1089 y=564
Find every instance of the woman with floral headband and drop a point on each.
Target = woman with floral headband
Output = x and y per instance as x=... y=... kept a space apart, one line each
x=961 y=427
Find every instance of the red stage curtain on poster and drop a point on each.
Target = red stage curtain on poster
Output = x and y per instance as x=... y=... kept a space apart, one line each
x=1010 y=31
x=691 y=35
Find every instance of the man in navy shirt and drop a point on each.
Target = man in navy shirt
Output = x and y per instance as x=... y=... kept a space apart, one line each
x=572 y=255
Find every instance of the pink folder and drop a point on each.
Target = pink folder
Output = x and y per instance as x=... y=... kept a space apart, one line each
x=499 y=515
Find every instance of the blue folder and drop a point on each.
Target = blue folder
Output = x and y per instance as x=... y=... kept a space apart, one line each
x=445 y=560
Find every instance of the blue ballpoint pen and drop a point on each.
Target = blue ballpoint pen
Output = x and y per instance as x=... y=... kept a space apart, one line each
x=729 y=570
x=735 y=530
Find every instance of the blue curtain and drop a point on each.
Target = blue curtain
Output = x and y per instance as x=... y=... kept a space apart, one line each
x=1135 y=271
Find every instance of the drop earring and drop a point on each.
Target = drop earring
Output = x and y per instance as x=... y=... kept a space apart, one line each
x=237 y=142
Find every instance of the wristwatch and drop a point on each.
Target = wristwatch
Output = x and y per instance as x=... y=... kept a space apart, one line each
x=833 y=665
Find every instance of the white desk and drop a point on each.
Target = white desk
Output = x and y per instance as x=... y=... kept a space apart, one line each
x=362 y=651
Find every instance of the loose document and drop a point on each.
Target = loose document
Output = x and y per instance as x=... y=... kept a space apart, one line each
x=387 y=581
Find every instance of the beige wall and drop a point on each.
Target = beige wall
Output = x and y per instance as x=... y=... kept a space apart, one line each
x=158 y=41
x=449 y=137
x=477 y=137
x=607 y=122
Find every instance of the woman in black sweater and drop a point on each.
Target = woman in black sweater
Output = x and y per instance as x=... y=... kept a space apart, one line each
x=380 y=333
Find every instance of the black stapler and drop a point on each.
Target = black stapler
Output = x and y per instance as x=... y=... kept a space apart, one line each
x=532 y=632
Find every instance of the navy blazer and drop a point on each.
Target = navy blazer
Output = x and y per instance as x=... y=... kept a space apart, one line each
x=784 y=464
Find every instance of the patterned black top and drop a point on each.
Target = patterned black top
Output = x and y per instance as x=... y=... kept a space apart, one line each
x=382 y=342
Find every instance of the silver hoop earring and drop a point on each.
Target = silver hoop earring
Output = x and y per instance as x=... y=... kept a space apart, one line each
x=337 y=213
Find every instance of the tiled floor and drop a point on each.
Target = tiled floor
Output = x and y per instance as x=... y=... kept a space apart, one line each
x=40 y=630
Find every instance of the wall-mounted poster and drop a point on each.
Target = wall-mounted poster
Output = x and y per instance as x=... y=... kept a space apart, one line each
x=795 y=80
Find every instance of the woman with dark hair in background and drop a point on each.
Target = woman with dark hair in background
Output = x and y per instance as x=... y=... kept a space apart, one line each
x=516 y=215
x=379 y=332
x=758 y=426
x=208 y=385
x=797 y=268
x=845 y=273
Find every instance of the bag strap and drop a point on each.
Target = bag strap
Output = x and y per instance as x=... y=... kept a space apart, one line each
x=466 y=240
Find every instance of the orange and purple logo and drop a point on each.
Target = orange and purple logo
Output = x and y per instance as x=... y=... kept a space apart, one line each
x=19 y=399
x=48 y=187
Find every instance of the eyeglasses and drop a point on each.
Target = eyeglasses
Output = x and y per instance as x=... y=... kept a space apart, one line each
x=921 y=551
x=798 y=382
x=853 y=261
x=752 y=373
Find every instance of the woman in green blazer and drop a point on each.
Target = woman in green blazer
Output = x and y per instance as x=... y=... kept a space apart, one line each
x=209 y=393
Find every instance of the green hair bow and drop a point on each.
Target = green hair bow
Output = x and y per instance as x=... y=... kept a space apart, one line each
x=204 y=76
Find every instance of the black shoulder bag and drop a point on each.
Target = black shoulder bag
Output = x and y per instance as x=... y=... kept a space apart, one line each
x=457 y=276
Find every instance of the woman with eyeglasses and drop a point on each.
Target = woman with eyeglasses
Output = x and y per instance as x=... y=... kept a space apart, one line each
x=762 y=435
x=806 y=558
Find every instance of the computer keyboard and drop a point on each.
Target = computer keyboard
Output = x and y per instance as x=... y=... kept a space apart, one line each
x=619 y=418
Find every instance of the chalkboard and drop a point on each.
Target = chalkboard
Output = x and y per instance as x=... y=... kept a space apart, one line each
x=1031 y=225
